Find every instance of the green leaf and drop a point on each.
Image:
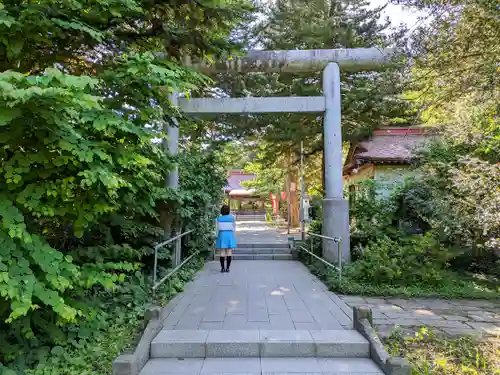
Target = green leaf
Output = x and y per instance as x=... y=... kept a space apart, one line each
x=57 y=350
x=7 y=20
x=8 y=114
x=15 y=48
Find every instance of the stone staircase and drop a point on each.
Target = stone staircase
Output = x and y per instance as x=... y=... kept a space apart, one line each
x=264 y=318
x=256 y=352
x=251 y=218
x=263 y=251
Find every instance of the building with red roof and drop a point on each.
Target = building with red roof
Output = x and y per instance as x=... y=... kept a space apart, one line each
x=241 y=199
x=384 y=157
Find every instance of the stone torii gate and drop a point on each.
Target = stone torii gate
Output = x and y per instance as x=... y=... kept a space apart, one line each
x=335 y=207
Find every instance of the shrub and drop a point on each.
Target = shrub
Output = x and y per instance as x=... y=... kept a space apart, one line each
x=408 y=260
x=431 y=354
x=371 y=215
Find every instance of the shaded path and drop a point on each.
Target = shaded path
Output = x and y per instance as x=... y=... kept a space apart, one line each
x=264 y=317
x=258 y=295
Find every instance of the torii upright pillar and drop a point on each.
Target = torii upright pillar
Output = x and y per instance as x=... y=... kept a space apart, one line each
x=335 y=207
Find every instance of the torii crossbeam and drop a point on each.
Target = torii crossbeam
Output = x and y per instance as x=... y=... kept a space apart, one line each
x=335 y=207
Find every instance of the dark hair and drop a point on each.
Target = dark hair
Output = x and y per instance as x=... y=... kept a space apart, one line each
x=225 y=210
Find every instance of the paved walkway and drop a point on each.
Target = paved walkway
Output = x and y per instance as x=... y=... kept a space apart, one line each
x=261 y=232
x=281 y=295
x=268 y=317
x=452 y=317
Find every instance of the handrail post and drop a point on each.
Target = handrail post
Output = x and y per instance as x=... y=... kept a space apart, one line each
x=155 y=267
x=177 y=239
x=339 y=249
x=312 y=249
x=177 y=247
x=338 y=240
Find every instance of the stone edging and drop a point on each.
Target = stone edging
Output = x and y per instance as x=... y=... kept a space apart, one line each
x=132 y=363
x=362 y=320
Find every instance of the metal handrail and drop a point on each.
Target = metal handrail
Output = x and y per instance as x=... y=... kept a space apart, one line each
x=319 y=258
x=164 y=243
x=172 y=239
x=337 y=240
x=334 y=239
x=167 y=276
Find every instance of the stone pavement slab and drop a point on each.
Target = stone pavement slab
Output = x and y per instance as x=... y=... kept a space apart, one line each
x=261 y=232
x=261 y=366
x=259 y=343
x=451 y=317
x=272 y=295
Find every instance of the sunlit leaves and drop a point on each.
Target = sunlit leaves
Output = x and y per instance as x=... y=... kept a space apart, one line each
x=456 y=52
x=83 y=91
x=67 y=166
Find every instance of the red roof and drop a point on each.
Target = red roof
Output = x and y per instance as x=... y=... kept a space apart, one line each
x=235 y=178
x=388 y=145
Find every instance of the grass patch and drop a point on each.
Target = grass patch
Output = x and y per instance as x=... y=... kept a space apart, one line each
x=119 y=332
x=431 y=354
x=452 y=286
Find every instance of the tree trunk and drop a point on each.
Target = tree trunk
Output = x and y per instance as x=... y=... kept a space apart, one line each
x=293 y=191
x=166 y=218
x=294 y=199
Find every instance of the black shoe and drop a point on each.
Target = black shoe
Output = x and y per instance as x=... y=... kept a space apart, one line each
x=222 y=270
x=227 y=270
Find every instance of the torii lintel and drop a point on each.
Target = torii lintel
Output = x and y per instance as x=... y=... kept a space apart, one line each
x=351 y=60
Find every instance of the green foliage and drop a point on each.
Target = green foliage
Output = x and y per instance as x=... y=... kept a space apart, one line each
x=236 y=154
x=454 y=54
x=432 y=354
x=269 y=178
x=80 y=31
x=456 y=82
x=201 y=184
x=83 y=96
x=452 y=285
x=454 y=197
x=119 y=327
x=78 y=175
x=389 y=260
x=453 y=202
x=411 y=260
x=368 y=100
x=372 y=216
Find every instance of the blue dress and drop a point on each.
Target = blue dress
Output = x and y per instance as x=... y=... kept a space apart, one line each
x=225 y=238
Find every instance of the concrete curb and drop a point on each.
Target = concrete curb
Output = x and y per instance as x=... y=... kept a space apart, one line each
x=362 y=320
x=132 y=363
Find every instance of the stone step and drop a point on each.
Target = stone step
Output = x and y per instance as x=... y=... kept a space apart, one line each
x=259 y=343
x=250 y=224
x=246 y=213
x=248 y=245
x=261 y=251
x=252 y=256
x=258 y=366
x=259 y=218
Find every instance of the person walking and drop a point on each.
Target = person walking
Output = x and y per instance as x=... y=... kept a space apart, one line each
x=226 y=240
